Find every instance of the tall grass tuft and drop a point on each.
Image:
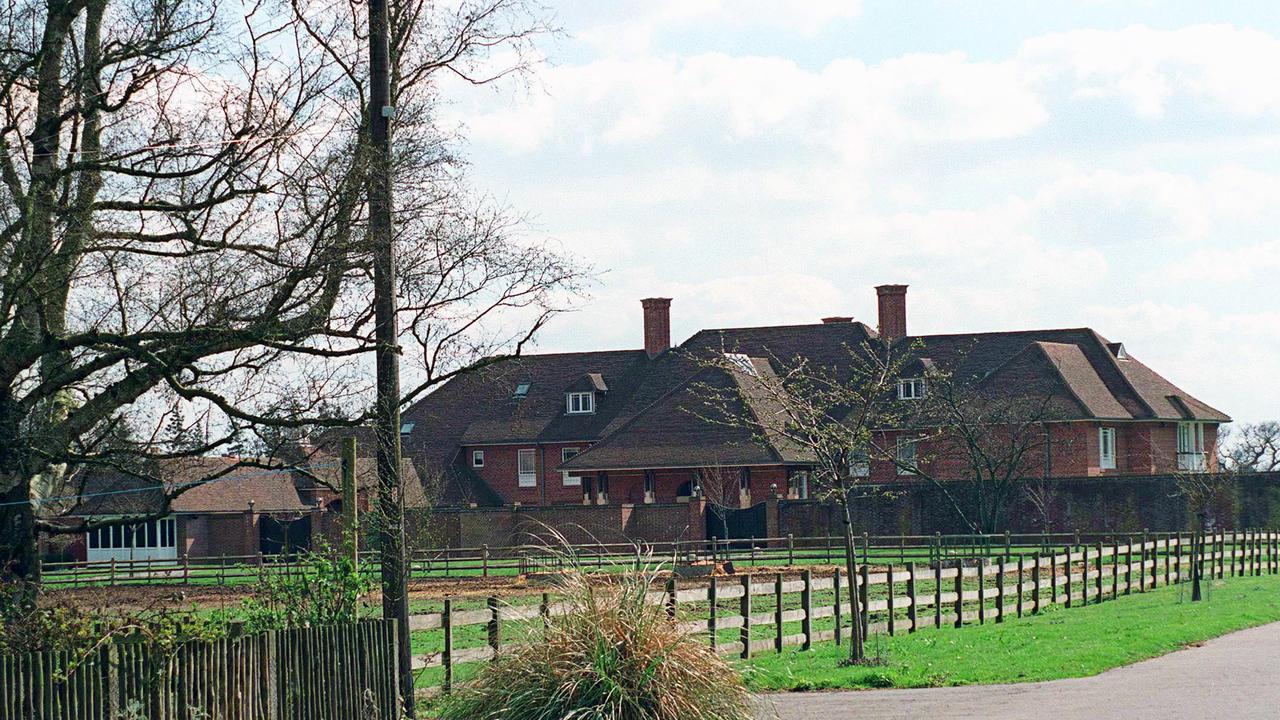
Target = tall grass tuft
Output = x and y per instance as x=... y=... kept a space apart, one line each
x=604 y=653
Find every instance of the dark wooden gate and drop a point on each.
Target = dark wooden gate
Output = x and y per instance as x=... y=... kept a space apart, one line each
x=737 y=525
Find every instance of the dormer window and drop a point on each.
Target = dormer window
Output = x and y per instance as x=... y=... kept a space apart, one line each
x=911 y=389
x=579 y=403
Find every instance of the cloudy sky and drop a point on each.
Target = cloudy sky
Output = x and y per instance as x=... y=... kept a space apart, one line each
x=1103 y=163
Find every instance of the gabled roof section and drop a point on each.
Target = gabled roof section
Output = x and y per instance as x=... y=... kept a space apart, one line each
x=480 y=408
x=1059 y=371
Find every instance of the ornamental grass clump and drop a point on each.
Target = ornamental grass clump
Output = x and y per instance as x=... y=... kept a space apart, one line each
x=604 y=653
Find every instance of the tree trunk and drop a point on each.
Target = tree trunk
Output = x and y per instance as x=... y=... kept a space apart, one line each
x=19 y=552
x=856 y=654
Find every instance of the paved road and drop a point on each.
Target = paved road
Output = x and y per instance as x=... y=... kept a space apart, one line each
x=1235 y=676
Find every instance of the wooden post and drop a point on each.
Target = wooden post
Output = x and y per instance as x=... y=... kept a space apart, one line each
x=495 y=628
x=1168 y=561
x=912 y=614
x=1128 y=567
x=791 y=549
x=864 y=593
x=777 y=612
x=982 y=592
x=806 y=602
x=1097 y=562
x=446 y=655
x=484 y=560
x=1053 y=578
x=837 y=611
x=186 y=569
x=937 y=592
x=888 y=578
x=671 y=598
x=1084 y=575
x=866 y=551
x=350 y=501
x=959 y=605
x=1177 y=559
x=1068 y=567
x=745 y=610
x=1035 y=584
x=1000 y=588
x=711 y=609
x=1115 y=569
x=1021 y=587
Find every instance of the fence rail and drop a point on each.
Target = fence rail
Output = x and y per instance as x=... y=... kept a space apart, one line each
x=804 y=608
x=344 y=671
x=485 y=561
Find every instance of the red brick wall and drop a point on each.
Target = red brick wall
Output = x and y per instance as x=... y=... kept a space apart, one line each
x=617 y=522
x=501 y=471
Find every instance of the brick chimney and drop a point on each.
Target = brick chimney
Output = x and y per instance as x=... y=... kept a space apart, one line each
x=657 y=325
x=892 y=300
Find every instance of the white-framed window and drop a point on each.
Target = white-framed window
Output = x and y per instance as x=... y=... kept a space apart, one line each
x=911 y=388
x=477 y=458
x=567 y=454
x=1191 y=454
x=1107 y=448
x=906 y=456
x=577 y=403
x=154 y=539
x=527 y=466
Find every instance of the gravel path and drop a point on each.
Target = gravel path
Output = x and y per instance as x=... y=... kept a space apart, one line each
x=1234 y=676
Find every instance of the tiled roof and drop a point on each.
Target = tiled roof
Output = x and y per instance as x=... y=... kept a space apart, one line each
x=328 y=470
x=207 y=484
x=653 y=414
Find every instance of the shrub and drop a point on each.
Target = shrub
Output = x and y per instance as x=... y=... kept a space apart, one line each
x=323 y=588
x=604 y=654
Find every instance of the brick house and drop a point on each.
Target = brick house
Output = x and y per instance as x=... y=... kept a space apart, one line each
x=629 y=426
x=227 y=509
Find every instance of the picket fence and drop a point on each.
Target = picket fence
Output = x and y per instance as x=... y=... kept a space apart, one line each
x=323 y=673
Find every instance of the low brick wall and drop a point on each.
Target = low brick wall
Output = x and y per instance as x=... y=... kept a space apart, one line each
x=1111 y=504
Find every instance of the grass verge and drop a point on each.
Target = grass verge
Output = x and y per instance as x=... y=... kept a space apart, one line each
x=1058 y=643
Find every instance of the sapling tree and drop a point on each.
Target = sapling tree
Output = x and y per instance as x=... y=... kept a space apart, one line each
x=822 y=416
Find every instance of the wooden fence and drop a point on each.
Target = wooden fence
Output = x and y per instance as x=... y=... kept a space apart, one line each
x=759 y=612
x=486 y=561
x=344 y=671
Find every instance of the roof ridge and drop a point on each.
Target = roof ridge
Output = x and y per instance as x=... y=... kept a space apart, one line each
x=1115 y=365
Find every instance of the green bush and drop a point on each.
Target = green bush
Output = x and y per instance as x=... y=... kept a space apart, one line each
x=607 y=655
x=324 y=588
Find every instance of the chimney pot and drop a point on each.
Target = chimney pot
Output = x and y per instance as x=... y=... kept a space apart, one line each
x=836 y=319
x=892 y=306
x=657 y=325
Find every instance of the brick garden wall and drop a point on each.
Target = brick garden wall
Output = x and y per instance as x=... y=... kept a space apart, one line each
x=1090 y=504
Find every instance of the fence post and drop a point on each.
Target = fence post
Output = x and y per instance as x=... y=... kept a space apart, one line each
x=866 y=549
x=806 y=601
x=745 y=610
x=791 y=550
x=446 y=655
x=1097 y=569
x=1000 y=590
x=1035 y=583
x=959 y=592
x=1142 y=570
x=113 y=572
x=1168 y=546
x=711 y=609
x=837 y=611
x=1115 y=568
x=544 y=610
x=864 y=595
x=186 y=569
x=671 y=598
x=937 y=593
x=484 y=560
x=1069 y=565
x=1053 y=578
x=912 y=613
x=1128 y=567
x=982 y=590
x=495 y=628
x=1084 y=575
x=777 y=612
x=888 y=579
x=1021 y=586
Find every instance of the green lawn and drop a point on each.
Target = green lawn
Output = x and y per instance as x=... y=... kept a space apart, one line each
x=1058 y=643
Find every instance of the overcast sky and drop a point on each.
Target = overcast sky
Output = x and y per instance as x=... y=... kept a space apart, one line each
x=1020 y=164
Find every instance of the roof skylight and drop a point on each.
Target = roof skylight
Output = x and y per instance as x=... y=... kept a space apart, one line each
x=741 y=362
x=522 y=389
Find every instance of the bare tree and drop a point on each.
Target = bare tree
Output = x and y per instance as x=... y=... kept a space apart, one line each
x=720 y=487
x=979 y=443
x=182 y=217
x=1250 y=447
x=822 y=416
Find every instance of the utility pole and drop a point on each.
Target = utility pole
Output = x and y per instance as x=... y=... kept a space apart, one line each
x=395 y=587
